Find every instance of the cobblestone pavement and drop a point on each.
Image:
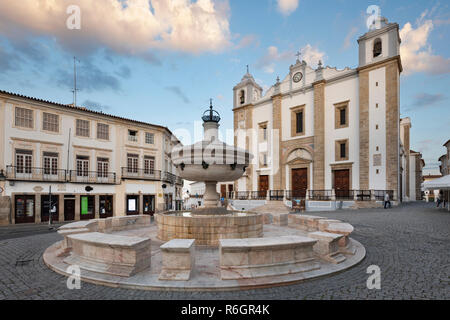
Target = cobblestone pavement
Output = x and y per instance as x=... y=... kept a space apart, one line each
x=410 y=244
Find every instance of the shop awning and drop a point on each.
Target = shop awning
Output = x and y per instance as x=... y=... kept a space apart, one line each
x=442 y=183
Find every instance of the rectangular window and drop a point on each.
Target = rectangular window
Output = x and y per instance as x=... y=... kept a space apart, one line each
x=24 y=160
x=343 y=113
x=50 y=163
x=24 y=118
x=149 y=138
x=50 y=122
x=132 y=163
x=102 y=131
x=82 y=129
x=341 y=150
x=102 y=167
x=132 y=135
x=149 y=165
x=299 y=122
x=82 y=166
x=343 y=153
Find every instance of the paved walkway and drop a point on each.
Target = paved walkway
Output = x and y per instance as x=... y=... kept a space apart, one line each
x=410 y=244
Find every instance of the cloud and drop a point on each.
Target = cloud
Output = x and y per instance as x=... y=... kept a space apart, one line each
x=179 y=93
x=8 y=61
x=136 y=27
x=95 y=106
x=426 y=100
x=267 y=62
x=416 y=53
x=286 y=7
x=312 y=55
x=124 y=72
x=347 y=41
x=89 y=78
x=247 y=41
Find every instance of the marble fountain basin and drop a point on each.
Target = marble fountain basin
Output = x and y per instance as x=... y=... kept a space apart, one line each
x=207 y=230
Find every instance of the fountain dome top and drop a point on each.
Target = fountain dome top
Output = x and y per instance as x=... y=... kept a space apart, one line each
x=211 y=115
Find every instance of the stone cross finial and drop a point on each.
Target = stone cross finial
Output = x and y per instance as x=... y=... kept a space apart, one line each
x=320 y=64
x=248 y=70
x=298 y=54
x=278 y=79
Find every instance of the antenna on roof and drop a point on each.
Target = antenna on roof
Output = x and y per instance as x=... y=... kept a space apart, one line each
x=75 y=81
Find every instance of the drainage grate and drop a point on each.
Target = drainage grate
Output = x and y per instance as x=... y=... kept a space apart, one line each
x=23 y=262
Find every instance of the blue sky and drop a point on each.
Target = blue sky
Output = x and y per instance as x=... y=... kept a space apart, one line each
x=161 y=63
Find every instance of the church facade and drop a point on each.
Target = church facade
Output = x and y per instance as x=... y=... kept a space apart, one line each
x=328 y=129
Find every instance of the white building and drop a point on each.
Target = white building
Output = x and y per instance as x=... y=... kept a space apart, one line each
x=125 y=162
x=327 y=129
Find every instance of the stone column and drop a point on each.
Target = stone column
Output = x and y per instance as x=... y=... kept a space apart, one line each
x=141 y=203
x=77 y=207
x=276 y=146
x=97 y=206
x=372 y=195
x=211 y=197
x=61 y=207
x=319 y=135
x=364 y=129
x=333 y=195
x=37 y=208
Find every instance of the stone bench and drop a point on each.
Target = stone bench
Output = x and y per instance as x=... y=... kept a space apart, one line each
x=115 y=224
x=253 y=258
x=280 y=219
x=324 y=223
x=178 y=260
x=327 y=246
x=304 y=222
x=76 y=228
x=344 y=229
x=110 y=254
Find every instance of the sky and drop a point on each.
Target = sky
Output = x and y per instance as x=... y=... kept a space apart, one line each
x=160 y=61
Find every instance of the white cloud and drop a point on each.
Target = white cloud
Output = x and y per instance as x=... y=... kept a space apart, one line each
x=286 y=7
x=347 y=41
x=312 y=55
x=125 y=26
x=416 y=51
x=267 y=62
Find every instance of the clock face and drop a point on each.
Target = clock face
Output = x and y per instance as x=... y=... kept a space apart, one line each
x=297 y=77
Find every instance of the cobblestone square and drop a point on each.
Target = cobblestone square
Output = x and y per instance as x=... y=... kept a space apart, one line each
x=409 y=243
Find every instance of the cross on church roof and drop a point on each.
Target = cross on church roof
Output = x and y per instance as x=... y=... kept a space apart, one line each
x=248 y=70
x=298 y=54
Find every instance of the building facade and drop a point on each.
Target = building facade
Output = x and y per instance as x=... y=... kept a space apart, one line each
x=328 y=129
x=444 y=167
x=97 y=165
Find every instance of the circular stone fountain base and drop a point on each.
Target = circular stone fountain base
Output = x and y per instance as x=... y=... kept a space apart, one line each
x=207 y=230
x=206 y=275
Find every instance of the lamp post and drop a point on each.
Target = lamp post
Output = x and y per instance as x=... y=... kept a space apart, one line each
x=50 y=207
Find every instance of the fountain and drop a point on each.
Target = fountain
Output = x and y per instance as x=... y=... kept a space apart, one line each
x=211 y=161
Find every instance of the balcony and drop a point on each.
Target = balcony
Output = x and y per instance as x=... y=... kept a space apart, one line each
x=35 y=174
x=59 y=175
x=151 y=175
x=93 y=177
x=169 y=177
x=141 y=174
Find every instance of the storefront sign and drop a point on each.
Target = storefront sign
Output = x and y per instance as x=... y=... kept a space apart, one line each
x=84 y=205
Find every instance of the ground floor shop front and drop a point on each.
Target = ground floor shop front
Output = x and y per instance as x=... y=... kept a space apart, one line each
x=25 y=203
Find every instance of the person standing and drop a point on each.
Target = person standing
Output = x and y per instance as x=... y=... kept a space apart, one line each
x=387 y=200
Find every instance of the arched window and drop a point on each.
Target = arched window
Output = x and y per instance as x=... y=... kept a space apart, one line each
x=377 y=47
x=242 y=96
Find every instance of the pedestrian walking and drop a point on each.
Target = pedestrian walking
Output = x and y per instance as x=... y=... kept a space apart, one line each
x=387 y=201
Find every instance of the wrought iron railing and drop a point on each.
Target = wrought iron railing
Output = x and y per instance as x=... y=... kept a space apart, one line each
x=379 y=194
x=363 y=195
x=345 y=194
x=25 y=173
x=295 y=194
x=241 y=195
x=140 y=174
x=320 y=194
x=258 y=195
x=169 y=177
x=276 y=195
x=97 y=177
